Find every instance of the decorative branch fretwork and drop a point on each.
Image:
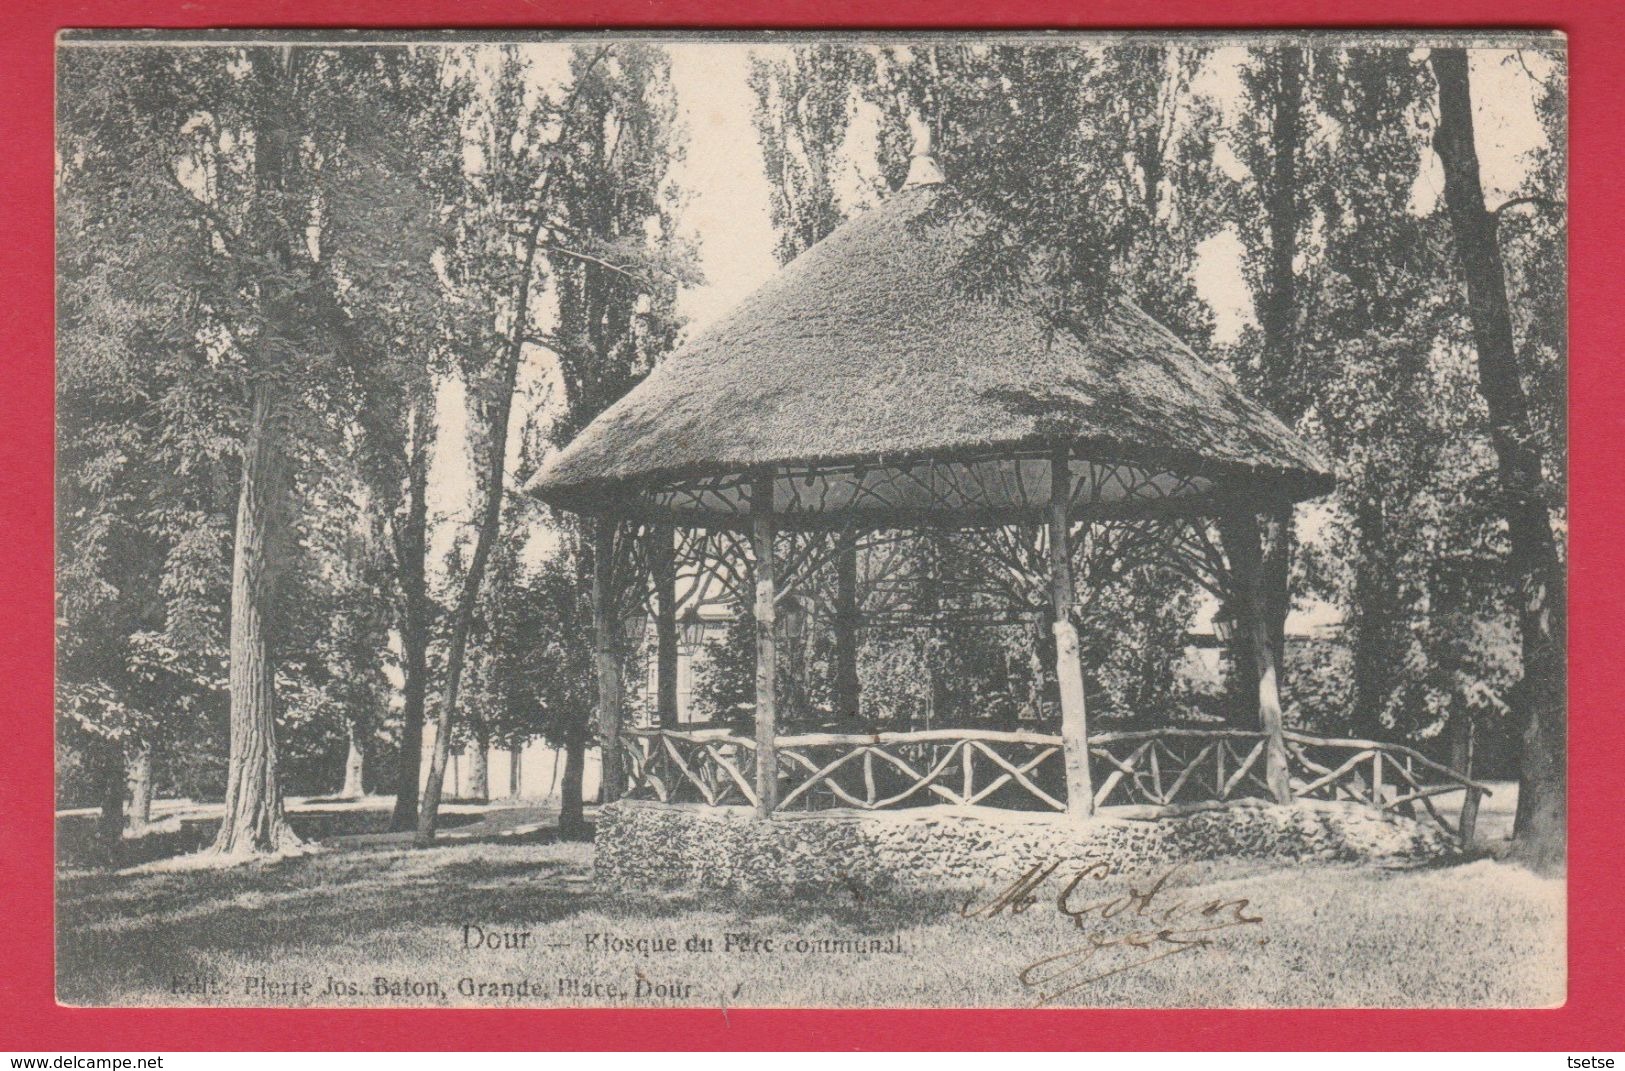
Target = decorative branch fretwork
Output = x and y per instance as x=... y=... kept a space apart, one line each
x=942 y=492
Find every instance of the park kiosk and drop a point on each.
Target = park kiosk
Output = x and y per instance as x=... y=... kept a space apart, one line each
x=863 y=394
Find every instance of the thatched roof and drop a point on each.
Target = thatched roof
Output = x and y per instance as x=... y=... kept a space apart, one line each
x=875 y=389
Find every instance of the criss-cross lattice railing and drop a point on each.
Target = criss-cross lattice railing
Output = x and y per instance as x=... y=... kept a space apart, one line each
x=1388 y=777
x=711 y=766
x=1025 y=770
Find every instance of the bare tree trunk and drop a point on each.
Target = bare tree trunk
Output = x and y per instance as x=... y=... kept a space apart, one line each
x=765 y=569
x=606 y=626
x=1275 y=579
x=108 y=758
x=1462 y=742
x=572 y=819
x=1462 y=747
x=1080 y=792
x=663 y=566
x=516 y=769
x=490 y=523
x=254 y=820
x=848 y=697
x=479 y=765
x=411 y=549
x=494 y=475
x=1540 y=827
x=140 y=784
x=1373 y=621
x=1241 y=687
x=1242 y=547
x=355 y=767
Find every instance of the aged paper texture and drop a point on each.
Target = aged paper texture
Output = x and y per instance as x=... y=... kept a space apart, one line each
x=811 y=520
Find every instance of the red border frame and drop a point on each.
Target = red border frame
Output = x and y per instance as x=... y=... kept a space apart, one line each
x=1593 y=1018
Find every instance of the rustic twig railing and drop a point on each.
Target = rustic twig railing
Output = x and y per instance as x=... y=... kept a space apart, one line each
x=1025 y=770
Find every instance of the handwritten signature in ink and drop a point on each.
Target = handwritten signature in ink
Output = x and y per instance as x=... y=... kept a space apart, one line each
x=1125 y=927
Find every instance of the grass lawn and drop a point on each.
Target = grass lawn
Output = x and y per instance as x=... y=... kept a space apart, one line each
x=368 y=921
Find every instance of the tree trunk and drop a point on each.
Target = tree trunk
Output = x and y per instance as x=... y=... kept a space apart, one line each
x=606 y=627
x=1278 y=324
x=572 y=817
x=490 y=522
x=763 y=531
x=479 y=765
x=140 y=784
x=253 y=819
x=848 y=691
x=1243 y=548
x=1241 y=687
x=1373 y=621
x=1462 y=742
x=1540 y=827
x=1080 y=792
x=1462 y=746
x=516 y=769
x=109 y=763
x=355 y=770
x=1275 y=581
x=1043 y=692
x=663 y=561
x=411 y=550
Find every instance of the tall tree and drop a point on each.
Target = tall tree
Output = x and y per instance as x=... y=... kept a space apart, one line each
x=270 y=161
x=400 y=206
x=596 y=231
x=802 y=107
x=146 y=442
x=1273 y=145
x=1540 y=831
x=616 y=284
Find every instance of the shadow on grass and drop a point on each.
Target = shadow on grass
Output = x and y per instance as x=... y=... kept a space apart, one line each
x=145 y=932
x=77 y=845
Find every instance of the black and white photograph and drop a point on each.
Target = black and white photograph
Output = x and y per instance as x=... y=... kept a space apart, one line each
x=811 y=519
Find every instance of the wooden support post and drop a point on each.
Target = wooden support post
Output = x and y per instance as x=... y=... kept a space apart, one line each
x=763 y=530
x=1242 y=547
x=1080 y=793
x=1461 y=760
x=663 y=564
x=1467 y=830
x=848 y=697
x=607 y=651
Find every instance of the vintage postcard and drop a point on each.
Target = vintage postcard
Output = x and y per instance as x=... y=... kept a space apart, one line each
x=821 y=520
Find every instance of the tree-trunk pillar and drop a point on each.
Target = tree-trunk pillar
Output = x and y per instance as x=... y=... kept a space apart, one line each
x=516 y=769
x=355 y=768
x=1080 y=792
x=108 y=758
x=1275 y=574
x=479 y=765
x=763 y=530
x=663 y=564
x=411 y=535
x=1246 y=577
x=1461 y=760
x=140 y=789
x=572 y=823
x=848 y=692
x=607 y=645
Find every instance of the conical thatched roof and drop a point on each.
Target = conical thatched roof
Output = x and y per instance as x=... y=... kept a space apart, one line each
x=876 y=391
